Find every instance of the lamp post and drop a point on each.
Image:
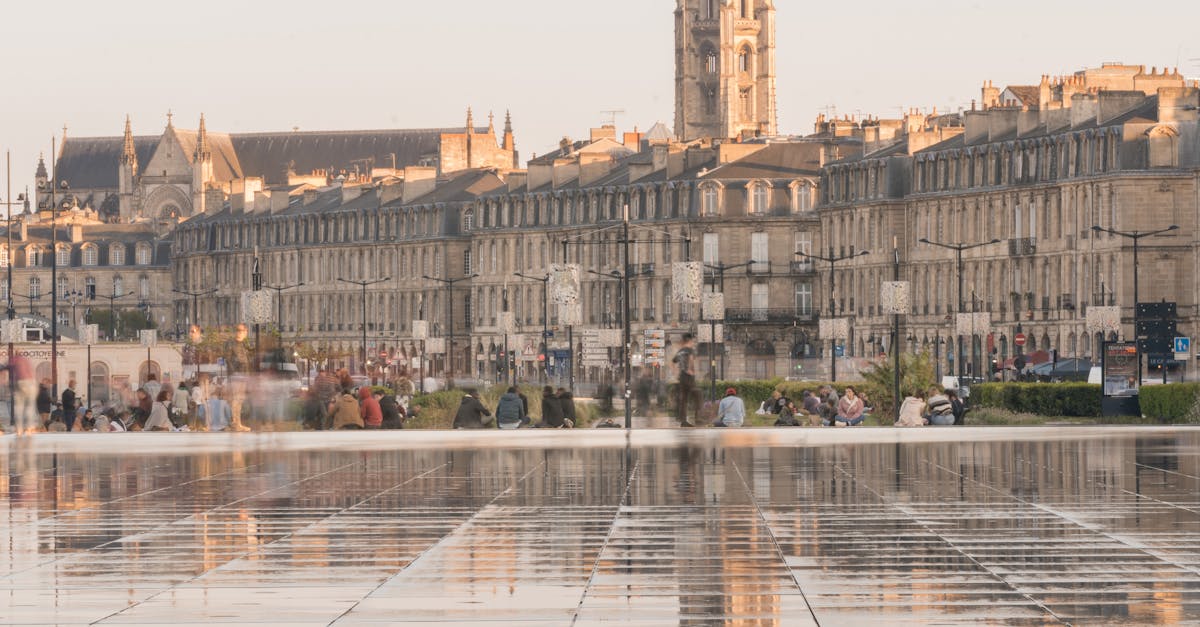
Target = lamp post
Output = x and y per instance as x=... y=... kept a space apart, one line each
x=718 y=273
x=832 y=261
x=1136 y=236
x=11 y=309
x=449 y=283
x=545 y=281
x=112 y=313
x=51 y=187
x=195 y=296
x=279 y=303
x=74 y=297
x=958 y=251
x=364 y=285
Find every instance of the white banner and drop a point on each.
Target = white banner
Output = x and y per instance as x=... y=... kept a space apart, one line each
x=833 y=328
x=712 y=307
x=894 y=297
x=90 y=334
x=420 y=329
x=13 y=331
x=257 y=307
x=687 y=281
x=435 y=345
x=149 y=338
x=709 y=335
x=570 y=315
x=508 y=322
x=564 y=283
x=968 y=324
x=1103 y=319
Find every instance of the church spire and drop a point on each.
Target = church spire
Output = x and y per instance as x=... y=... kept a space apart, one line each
x=170 y=119
x=128 y=152
x=42 y=174
x=508 y=131
x=470 y=121
x=202 y=152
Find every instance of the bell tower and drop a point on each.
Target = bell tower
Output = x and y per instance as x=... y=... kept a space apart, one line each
x=724 y=68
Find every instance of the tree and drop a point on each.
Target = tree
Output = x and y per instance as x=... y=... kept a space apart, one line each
x=917 y=375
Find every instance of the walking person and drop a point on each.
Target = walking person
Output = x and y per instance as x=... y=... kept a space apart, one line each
x=45 y=402
x=25 y=395
x=731 y=412
x=69 y=406
x=684 y=364
x=510 y=411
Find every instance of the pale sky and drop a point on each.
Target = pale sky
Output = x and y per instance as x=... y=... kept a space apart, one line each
x=269 y=65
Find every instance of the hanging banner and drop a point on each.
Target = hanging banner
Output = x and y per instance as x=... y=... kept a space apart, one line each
x=570 y=315
x=508 y=322
x=1103 y=319
x=833 y=328
x=707 y=334
x=609 y=338
x=257 y=307
x=713 y=306
x=13 y=331
x=894 y=297
x=149 y=338
x=420 y=329
x=687 y=281
x=564 y=283
x=90 y=334
x=969 y=324
x=435 y=345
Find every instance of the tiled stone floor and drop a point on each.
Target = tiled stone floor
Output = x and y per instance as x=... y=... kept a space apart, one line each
x=740 y=527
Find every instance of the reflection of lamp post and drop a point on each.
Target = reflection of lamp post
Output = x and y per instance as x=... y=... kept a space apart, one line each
x=832 y=261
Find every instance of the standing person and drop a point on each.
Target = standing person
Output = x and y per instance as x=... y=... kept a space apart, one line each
x=685 y=368
x=160 y=415
x=45 y=402
x=850 y=409
x=372 y=415
x=510 y=411
x=471 y=413
x=731 y=412
x=552 y=413
x=25 y=395
x=567 y=401
x=215 y=412
x=346 y=413
x=181 y=401
x=68 y=404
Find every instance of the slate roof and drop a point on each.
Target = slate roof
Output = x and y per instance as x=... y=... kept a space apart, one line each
x=776 y=161
x=459 y=187
x=92 y=162
x=1029 y=95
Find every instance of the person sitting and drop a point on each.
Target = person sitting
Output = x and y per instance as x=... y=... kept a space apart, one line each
x=160 y=415
x=957 y=407
x=849 y=409
x=778 y=402
x=471 y=413
x=827 y=411
x=567 y=402
x=811 y=404
x=393 y=412
x=369 y=409
x=510 y=411
x=787 y=416
x=552 y=413
x=346 y=413
x=940 y=410
x=731 y=412
x=912 y=411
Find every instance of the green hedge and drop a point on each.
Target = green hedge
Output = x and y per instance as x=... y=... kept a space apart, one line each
x=1175 y=402
x=754 y=392
x=1045 y=399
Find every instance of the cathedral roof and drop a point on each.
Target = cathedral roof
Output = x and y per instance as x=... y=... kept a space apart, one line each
x=92 y=162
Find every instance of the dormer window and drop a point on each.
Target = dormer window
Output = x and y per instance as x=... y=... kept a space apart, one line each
x=710 y=199
x=759 y=198
x=62 y=257
x=116 y=254
x=33 y=257
x=91 y=255
x=143 y=254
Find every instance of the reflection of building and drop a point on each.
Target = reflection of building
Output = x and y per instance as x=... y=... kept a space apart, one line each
x=1035 y=167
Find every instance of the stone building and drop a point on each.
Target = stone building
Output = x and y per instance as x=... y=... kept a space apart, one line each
x=1035 y=167
x=724 y=69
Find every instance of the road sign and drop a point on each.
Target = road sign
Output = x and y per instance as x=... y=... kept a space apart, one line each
x=1019 y=340
x=1183 y=345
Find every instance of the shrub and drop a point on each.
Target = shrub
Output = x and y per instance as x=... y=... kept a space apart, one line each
x=916 y=374
x=1175 y=402
x=1044 y=399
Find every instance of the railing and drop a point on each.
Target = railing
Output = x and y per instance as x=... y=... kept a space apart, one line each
x=1022 y=246
x=803 y=267
x=759 y=268
x=767 y=316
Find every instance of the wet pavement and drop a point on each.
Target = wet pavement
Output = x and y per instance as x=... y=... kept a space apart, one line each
x=763 y=527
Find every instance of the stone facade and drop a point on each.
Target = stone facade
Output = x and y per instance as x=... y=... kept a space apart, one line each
x=724 y=69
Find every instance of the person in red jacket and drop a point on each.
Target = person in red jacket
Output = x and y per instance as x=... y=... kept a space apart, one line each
x=369 y=409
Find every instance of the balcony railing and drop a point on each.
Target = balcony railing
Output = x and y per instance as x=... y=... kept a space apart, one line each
x=759 y=268
x=803 y=267
x=1022 y=246
x=767 y=316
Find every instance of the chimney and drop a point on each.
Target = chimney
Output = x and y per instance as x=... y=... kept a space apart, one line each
x=516 y=180
x=418 y=182
x=310 y=195
x=24 y=234
x=391 y=191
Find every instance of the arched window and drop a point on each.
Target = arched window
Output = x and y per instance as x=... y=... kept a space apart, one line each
x=91 y=255
x=143 y=254
x=759 y=198
x=33 y=257
x=116 y=254
x=35 y=287
x=62 y=257
x=468 y=220
x=710 y=60
x=744 y=61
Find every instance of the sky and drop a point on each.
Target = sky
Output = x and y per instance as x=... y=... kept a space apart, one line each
x=558 y=65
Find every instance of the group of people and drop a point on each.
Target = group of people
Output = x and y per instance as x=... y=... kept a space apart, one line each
x=823 y=408
x=334 y=403
x=154 y=406
x=512 y=411
x=939 y=408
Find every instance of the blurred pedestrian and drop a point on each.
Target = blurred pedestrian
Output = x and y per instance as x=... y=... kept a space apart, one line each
x=69 y=406
x=685 y=369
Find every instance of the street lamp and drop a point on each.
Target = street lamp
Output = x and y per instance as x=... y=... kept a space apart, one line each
x=11 y=309
x=718 y=271
x=958 y=251
x=50 y=186
x=832 y=261
x=1136 y=236
x=112 y=312
x=449 y=283
x=363 y=285
x=74 y=297
x=195 y=296
x=279 y=303
x=545 y=281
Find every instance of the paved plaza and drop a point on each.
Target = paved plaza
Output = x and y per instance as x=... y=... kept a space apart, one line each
x=763 y=527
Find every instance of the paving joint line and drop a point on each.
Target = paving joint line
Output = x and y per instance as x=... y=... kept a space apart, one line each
x=612 y=527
